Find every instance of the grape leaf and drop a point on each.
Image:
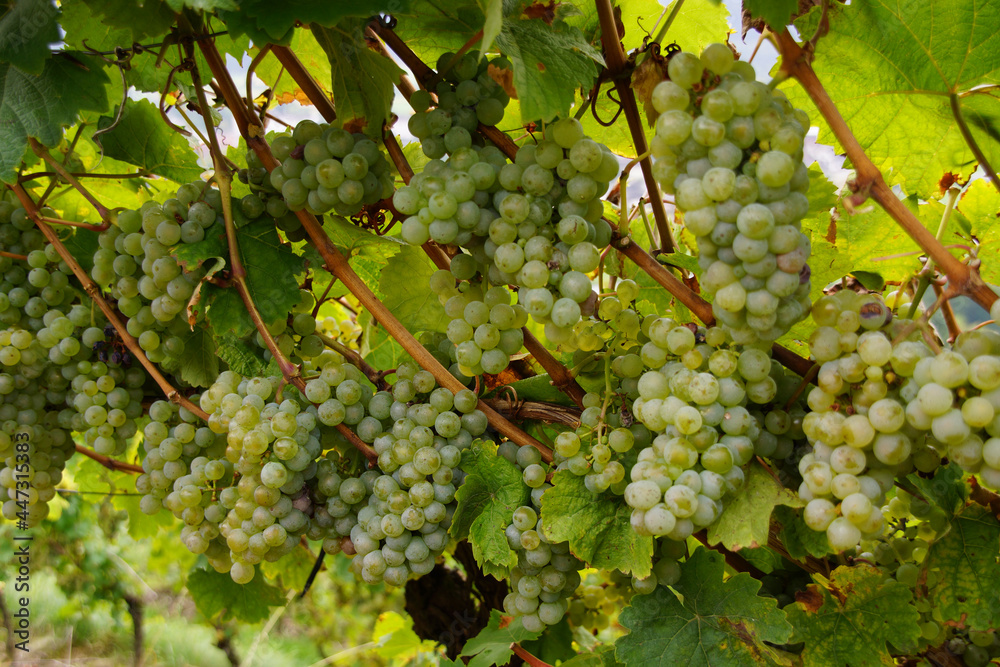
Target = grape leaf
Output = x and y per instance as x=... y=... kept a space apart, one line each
x=430 y=29
x=946 y=489
x=82 y=244
x=216 y=594
x=291 y=571
x=492 y=490
x=149 y=18
x=239 y=355
x=377 y=347
x=199 y=363
x=411 y=300
x=492 y=646
x=555 y=645
x=367 y=253
x=550 y=62
x=708 y=621
x=597 y=527
x=603 y=656
x=267 y=21
x=777 y=13
x=850 y=619
x=394 y=638
x=142 y=139
x=924 y=51
x=40 y=105
x=26 y=30
x=800 y=540
x=970 y=575
x=310 y=54
x=363 y=80
x=746 y=519
x=493 y=12
x=271 y=268
x=980 y=204
x=535 y=388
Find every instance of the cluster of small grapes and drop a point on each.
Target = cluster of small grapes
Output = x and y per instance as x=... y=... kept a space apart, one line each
x=135 y=265
x=296 y=335
x=886 y=404
x=730 y=150
x=978 y=648
x=323 y=168
x=419 y=431
x=485 y=329
x=467 y=95
x=52 y=381
x=546 y=574
x=535 y=223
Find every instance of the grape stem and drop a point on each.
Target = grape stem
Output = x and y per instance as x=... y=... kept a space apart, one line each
x=108 y=462
x=4 y=253
x=949 y=315
x=622 y=185
x=795 y=62
x=662 y=32
x=527 y=657
x=102 y=210
x=614 y=55
x=697 y=305
x=977 y=152
x=337 y=264
x=24 y=178
x=549 y=413
x=94 y=292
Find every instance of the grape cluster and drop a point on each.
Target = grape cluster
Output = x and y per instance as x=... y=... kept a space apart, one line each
x=52 y=381
x=730 y=151
x=546 y=574
x=135 y=265
x=323 y=168
x=485 y=329
x=887 y=403
x=466 y=96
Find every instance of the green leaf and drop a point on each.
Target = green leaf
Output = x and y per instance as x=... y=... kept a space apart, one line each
x=554 y=645
x=216 y=594
x=850 y=619
x=26 y=31
x=367 y=253
x=603 y=656
x=946 y=489
x=291 y=571
x=82 y=244
x=535 y=388
x=141 y=525
x=411 y=299
x=199 y=363
x=310 y=54
x=377 y=347
x=141 y=138
x=492 y=490
x=267 y=21
x=40 y=105
x=202 y=5
x=492 y=645
x=966 y=557
x=746 y=519
x=777 y=13
x=871 y=281
x=430 y=28
x=709 y=621
x=923 y=51
x=363 y=80
x=798 y=538
x=394 y=637
x=980 y=204
x=240 y=356
x=550 y=62
x=493 y=10
x=597 y=527
x=271 y=268
x=149 y=18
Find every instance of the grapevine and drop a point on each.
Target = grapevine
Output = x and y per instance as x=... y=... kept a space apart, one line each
x=421 y=330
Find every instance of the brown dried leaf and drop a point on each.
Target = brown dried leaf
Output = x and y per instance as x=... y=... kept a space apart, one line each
x=504 y=78
x=650 y=72
x=542 y=11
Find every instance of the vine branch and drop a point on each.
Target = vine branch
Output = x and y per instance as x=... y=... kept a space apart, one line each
x=43 y=153
x=306 y=82
x=795 y=63
x=108 y=462
x=963 y=127
x=614 y=55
